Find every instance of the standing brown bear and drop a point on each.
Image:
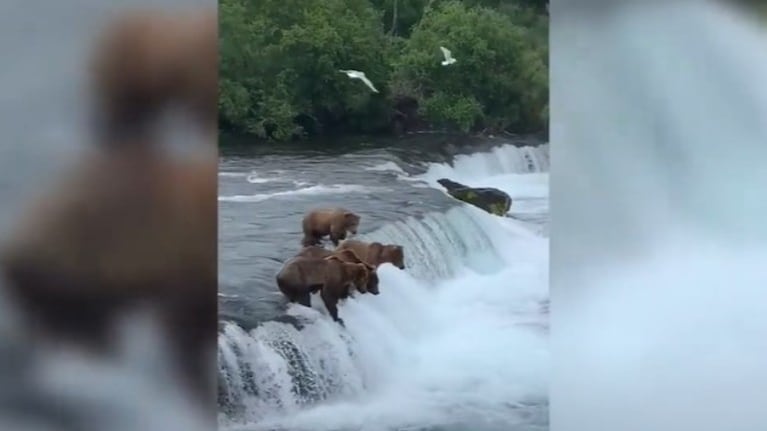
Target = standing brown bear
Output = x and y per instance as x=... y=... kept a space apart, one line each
x=346 y=255
x=132 y=227
x=129 y=229
x=375 y=253
x=334 y=278
x=335 y=222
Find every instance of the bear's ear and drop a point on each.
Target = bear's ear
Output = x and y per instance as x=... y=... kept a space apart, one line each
x=353 y=256
x=350 y=216
x=345 y=253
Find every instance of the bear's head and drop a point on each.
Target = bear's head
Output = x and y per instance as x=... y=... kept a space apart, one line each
x=147 y=62
x=351 y=222
x=393 y=254
x=348 y=255
x=360 y=276
x=372 y=284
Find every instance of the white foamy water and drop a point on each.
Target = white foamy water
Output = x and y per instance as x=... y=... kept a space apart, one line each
x=255 y=179
x=458 y=339
x=319 y=189
x=658 y=261
x=386 y=167
x=522 y=172
x=501 y=160
x=58 y=387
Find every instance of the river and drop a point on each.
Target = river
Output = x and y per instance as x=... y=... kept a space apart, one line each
x=459 y=339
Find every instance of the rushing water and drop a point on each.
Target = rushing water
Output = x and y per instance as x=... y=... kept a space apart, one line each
x=457 y=341
x=658 y=246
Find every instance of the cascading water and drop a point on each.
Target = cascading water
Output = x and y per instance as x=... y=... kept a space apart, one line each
x=658 y=254
x=458 y=339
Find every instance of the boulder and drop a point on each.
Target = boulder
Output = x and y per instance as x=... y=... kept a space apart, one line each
x=489 y=199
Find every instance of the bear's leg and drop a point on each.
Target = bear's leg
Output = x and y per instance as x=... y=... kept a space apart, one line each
x=335 y=237
x=331 y=303
x=291 y=291
x=310 y=240
x=305 y=300
x=348 y=291
x=314 y=288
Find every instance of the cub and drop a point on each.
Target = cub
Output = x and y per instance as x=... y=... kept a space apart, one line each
x=335 y=222
x=302 y=276
x=375 y=253
x=346 y=255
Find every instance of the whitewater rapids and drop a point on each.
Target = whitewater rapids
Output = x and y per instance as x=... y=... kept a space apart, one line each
x=658 y=245
x=460 y=339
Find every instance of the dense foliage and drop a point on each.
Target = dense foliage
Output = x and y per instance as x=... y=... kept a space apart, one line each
x=280 y=61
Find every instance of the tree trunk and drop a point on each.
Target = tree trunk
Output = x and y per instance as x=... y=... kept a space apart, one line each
x=393 y=30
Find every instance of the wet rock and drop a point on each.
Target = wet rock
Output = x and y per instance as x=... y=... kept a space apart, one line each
x=489 y=199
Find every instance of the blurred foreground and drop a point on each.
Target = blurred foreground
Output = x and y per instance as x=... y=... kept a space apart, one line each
x=658 y=240
x=108 y=296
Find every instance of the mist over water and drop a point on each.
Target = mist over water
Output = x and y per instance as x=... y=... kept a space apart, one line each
x=459 y=340
x=658 y=241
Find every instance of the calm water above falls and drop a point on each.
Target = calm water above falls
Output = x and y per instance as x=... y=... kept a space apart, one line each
x=457 y=340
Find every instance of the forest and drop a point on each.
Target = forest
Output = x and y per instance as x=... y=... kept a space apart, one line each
x=280 y=63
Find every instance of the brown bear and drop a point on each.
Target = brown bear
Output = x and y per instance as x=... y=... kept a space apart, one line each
x=334 y=278
x=126 y=230
x=335 y=222
x=150 y=59
x=375 y=253
x=314 y=251
x=346 y=255
x=134 y=227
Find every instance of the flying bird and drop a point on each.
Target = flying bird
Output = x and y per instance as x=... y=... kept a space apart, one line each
x=356 y=74
x=448 y=56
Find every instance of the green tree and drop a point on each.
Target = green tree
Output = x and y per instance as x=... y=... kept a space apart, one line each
x=399 y=16
x=281 y=60
x=500 y=79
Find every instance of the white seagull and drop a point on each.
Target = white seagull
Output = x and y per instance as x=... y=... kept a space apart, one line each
x=356 y=74
x=448 y=56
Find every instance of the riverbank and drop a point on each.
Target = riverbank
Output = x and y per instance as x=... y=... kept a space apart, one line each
x=428 y=142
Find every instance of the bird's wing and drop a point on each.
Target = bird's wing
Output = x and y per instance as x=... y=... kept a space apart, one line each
x=368 y=83
x=445 y=52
